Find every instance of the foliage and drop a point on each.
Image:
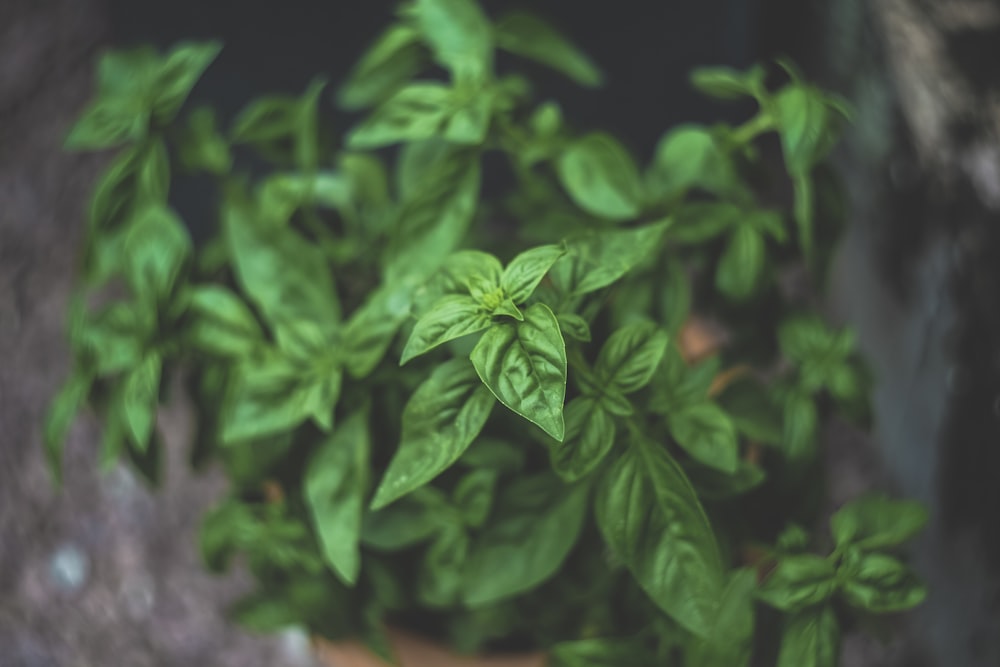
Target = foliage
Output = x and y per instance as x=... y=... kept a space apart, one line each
x=483 y=416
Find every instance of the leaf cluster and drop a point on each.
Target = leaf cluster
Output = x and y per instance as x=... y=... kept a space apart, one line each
x=495 y=419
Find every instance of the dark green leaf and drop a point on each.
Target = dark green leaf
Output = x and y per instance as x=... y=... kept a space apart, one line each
x=706 y=433
x=225 y=529
x=811 y=639
x=156 y=248
x=527 y=35
x=652 y=520
x=798 y=582
x=499 y=455
x=524 y=365
x=753 y=411
x=441 y=419
x=699 y=222
x=334 y=489
x=881 y=584
x=387 y=64
x=574 y=327
x=601 y=177
x=741 y=264
x=406 y=522
x=730 y=642
x=631 y=355
x=114 y=340
x=439 y=583
x=373 y=326
x=451 y=317
x=590 y=434
x=473 y=496
x=222 y=324
x=801 y=425
x=181 y=69
x=875 y=522
x=713 y=484
x=525 y=271
x=201 y=146
x=537 y=522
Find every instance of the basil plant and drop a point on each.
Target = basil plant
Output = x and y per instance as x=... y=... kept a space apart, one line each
x=488 y=415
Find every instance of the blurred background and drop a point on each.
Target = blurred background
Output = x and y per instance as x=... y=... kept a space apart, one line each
x=103 y=573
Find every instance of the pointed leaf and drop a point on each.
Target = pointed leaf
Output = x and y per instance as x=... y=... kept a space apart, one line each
x=525 y=271
x=811 y=639
x=601 y=177
x=590 y=434
x=180 y=70
x=440 y=421
x=798 y=582
x=415 y=112
x=394 y=58
x=451 y=317
x=524 y=365
x=334 y=489
x=527 y=35
x=706 y=433
x=156 y=248
x=140 y=399
x=631 y=355
x=875 y=522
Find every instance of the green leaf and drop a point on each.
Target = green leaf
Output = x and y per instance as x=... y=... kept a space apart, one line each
x=473 y=496
x=713 y=484
x=373 y=326
x=590 y=434
x=451 y=317
x=63 y=410
x=727 y=83
x=334 y=489
x=499 y=455
x=127 y=71
x=880 y=584
x=270 y=394
x=753 y=410
x=222 y=323
x=574 y=326
x=599 y=259
x=475 y=272
x=875 y=522
x=601 y=177
x=537 y=522
x=690 y=156
x=436 y=211
x=674 y=303
x=698 y=222
x=225 y=529
x=418 y=111
x=806 y=125
x=811 y=639
x=524 y=365
x=285 y=276
x=706 y=433
x=631 y=355
x=730 y=641
x=156 y=248
x=525 y=271
x=458 y=33
x=603 y=652
x=527 y=35
x=798 y=582
x=441 y=419
x=201 y=147
x=652 y=520
x=140 y=398
x=114 y=340
x=439 y=581
x=470 y=119
x=180 y=70
x=800 y=427
x=394 y=58
x=408 y=521
x=109 y=122
x=741 y=264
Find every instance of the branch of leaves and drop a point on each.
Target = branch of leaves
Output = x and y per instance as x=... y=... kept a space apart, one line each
x=859 y=573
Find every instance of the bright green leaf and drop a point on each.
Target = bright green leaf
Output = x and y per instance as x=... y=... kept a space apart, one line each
x=881 y=584
x=394 y=58
x=741 y=264
x=157 y=247
x=525 y=271
x=418 y=111
x=458 y=33
x=875 y=522
x=599 y=259
x=441 y=419
x=524 y=365
x=690 y=156
x=140 y=397
x=107 y=123
x=451 y=317
x=727 y=83
x=222 y=323
x=180 y=70
x=652 y=520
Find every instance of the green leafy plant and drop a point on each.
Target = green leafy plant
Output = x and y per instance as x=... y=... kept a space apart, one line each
x=477 y=416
